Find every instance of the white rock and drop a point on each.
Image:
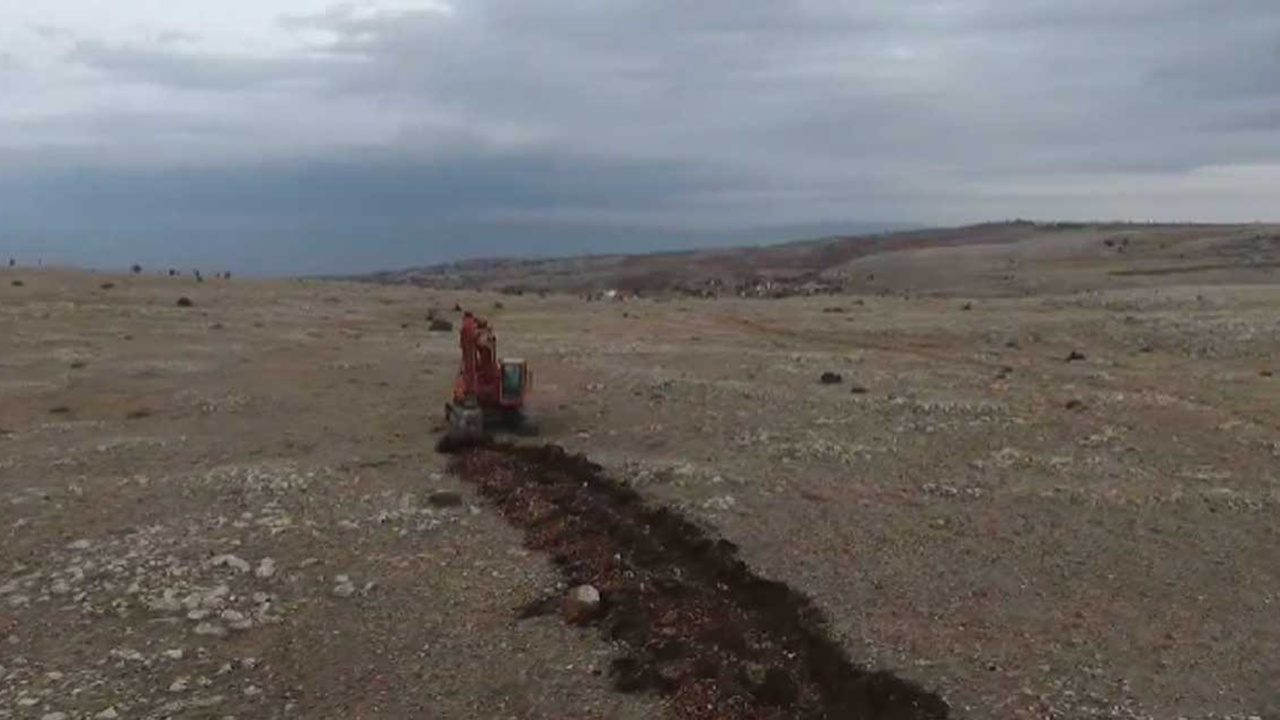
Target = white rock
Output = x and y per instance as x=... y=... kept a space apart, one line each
x=216 y=597
x=128 y=654
x=266 y=568
x=54 y=716
x=252 y=691
x=180 y=685
x=210 y=629
x=235 y=563
x=581 y=604
x=108 y=714
x=175 y=654
x=199 y=614
x=344 y=590
x=168 y=603
x=9 y=587
x=79 y=545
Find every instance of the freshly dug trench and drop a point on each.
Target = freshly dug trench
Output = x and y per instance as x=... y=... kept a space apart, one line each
x=697 y=623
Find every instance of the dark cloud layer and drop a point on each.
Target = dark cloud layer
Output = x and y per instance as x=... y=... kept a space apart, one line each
x=671 y=112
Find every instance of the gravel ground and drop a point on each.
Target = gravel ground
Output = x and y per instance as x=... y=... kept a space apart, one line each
x=233 y=509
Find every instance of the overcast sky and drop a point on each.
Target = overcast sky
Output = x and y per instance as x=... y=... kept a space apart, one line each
x=307 y=136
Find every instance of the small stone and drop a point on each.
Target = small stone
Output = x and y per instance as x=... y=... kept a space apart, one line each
x=175 y=654
x=168 y=603
x=252 y=691
x=180 y=685
x=1075 y=355
x=857 y=389
x=235 y=563
x=210 y=629
x=581 y=604
x=344 y=590
x=236 y=620
x=79 y=545
x=831 y=378
x=108 y=714
x=266 y=568
x=54 y=716
x=309 y=562
x=1075 y=404
x=445 y=499
x=199 y=614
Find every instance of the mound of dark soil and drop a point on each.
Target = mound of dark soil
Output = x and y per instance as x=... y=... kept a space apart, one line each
x=697 y=624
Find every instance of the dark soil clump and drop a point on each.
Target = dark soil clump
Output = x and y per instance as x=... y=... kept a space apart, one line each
x=696 y=623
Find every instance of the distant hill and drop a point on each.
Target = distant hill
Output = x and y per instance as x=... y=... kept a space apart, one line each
x=992 y=258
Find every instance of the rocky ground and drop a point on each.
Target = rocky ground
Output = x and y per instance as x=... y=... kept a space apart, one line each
x=1056 y=506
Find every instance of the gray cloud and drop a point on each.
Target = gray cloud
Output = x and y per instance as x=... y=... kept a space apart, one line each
x=751 y=111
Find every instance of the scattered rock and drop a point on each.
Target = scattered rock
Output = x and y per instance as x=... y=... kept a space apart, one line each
x=1075 y=355
x=185 y=302
x=1012 y=344
x=834 y=310
x=210 y=629
x=180 y=685
x=59 y=410
x=1266 y=373
x=236 y=620
x=108 y=714
x=722 y=503
x=54 y=716
x=344 y=588
x=79 y=545
x=581 y=605
x=77 y=365
x=831 y=378
x=175 y=654
x=17 y=283
x=967 y=306
x=857 y=389
x=235 y=563
x=266 y=568
x=107 y=286
x=1075 y=404
x=138 y=414
x=440 y=325
x=445 y=499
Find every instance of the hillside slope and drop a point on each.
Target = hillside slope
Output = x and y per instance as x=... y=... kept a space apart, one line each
x=994 y=258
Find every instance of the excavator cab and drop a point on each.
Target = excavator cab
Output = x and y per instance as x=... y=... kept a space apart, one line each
x=516 y=382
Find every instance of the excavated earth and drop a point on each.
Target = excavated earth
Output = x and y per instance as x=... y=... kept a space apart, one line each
x=692 y=621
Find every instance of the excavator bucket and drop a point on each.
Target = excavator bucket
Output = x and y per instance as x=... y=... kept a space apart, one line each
x=466 y=428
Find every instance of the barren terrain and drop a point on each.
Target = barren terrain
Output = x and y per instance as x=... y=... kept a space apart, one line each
x=1058 y=502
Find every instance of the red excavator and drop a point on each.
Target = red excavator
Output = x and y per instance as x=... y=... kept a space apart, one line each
x=489 y=393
